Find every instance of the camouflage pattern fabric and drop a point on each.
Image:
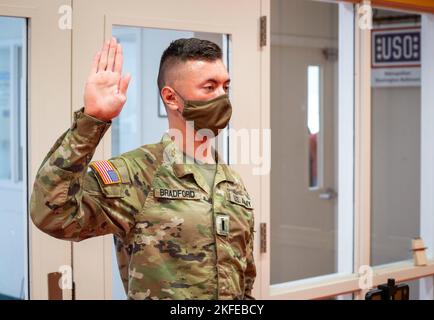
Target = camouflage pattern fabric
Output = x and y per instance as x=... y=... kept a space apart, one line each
x=175 y=238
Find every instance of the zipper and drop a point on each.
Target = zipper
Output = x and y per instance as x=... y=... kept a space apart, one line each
x=215 y=233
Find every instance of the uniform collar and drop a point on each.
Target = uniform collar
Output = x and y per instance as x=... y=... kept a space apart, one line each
x=175 y=157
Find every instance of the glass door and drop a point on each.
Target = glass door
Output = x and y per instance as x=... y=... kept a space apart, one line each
x=13 y=158
x=145 y=29
x=312 y=147
x=34 y=89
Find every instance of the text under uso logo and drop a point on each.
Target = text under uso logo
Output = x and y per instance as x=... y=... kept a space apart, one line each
x=396 y=47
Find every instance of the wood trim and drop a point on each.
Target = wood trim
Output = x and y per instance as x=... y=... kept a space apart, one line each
x=329 y=286
x=412 y=5
x=54 y=291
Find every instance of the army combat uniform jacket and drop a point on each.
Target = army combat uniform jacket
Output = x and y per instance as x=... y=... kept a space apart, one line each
x=175 y=238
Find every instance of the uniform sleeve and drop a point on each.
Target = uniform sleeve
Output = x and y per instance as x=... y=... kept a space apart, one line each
x=250 y=273
x=67 y=201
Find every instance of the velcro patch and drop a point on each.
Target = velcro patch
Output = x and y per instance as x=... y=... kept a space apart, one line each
x=106 y=172
x=176 y=193
x=222 y=224
x=240 y=199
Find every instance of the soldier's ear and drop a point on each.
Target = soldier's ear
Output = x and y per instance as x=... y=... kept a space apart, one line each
x=170 y=98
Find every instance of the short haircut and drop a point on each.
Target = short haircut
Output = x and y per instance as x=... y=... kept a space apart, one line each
x=182 y=50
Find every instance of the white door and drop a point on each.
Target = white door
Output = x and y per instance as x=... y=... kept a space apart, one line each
x=34 y=86
x=145 y=28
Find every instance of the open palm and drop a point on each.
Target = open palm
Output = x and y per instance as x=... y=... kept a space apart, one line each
x=106 y=88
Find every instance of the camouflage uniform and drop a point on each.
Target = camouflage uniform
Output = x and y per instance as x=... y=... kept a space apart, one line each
x=175 y=238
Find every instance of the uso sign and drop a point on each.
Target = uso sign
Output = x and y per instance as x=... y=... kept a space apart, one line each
x=396 y=57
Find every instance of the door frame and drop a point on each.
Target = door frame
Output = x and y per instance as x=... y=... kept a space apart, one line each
x=44 y=71
x=333 y=284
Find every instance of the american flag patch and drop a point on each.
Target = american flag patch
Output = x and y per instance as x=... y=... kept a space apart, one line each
x=106 y=171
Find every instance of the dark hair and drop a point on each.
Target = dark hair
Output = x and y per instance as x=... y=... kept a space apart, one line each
x=182 y=50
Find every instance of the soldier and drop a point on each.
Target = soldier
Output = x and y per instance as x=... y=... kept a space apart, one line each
x=182 y=230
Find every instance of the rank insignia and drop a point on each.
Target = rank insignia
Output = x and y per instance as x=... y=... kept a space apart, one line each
x=222 y=224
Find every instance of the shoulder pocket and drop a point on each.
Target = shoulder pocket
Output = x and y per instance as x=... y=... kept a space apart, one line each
x=109 y=191
x=109 y=180
x=114 y=191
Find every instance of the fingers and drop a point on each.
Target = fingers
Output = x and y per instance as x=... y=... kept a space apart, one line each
x=110 y=58
x=123 y=84
x=119 y=60
x=103 y=60
x=95 y=62
x=111 y=54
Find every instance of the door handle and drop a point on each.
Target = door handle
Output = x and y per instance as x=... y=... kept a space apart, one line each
x=328 y=194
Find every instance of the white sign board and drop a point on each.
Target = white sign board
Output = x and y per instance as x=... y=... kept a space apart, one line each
x=396 y=57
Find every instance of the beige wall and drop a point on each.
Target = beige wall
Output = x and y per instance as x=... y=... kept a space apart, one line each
x=304 y=18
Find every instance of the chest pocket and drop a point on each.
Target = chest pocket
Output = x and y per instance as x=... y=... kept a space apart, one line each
x=114 y=191
x=173 y=210
x=239 y=205
x=166 y=186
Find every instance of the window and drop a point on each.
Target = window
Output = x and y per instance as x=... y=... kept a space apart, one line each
x=313 y=122
x=310 y=225
x=11 y=144
x=13 y=188
x=396 y=134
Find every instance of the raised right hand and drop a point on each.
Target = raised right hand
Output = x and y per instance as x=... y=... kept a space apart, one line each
x=106 y=88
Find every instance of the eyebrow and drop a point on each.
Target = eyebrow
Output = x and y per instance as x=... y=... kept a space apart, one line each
x=214 y=80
